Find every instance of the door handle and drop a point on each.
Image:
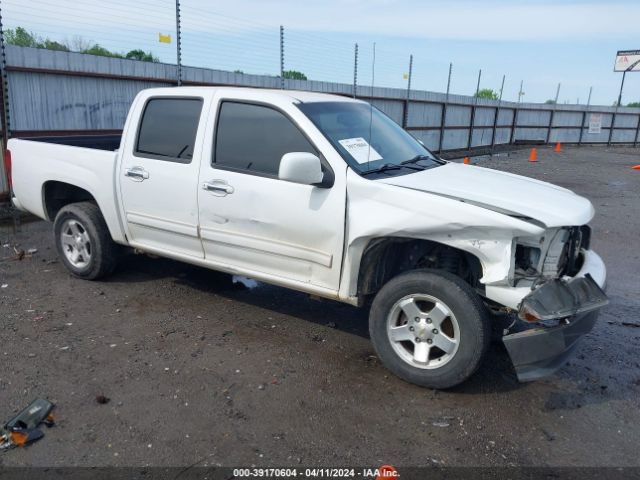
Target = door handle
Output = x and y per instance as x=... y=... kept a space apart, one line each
x=218 y=187
x=137 y=174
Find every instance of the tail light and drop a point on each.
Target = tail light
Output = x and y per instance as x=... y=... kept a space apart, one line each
x=7 y=167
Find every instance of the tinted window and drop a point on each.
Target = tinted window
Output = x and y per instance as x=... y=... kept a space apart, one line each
x=168 y=129
x=254 y=138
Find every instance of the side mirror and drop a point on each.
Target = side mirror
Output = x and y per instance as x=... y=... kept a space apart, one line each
x=300 y=167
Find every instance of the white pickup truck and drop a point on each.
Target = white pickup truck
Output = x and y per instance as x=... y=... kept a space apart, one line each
x=327 y=195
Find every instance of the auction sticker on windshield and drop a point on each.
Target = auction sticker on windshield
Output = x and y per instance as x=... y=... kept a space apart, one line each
x=360 y=150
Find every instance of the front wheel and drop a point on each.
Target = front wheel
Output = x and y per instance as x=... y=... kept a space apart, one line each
x=429 y=328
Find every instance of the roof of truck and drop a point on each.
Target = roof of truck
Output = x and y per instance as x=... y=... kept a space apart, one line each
x=293 y=95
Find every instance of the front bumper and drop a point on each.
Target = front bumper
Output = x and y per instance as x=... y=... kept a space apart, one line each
x=539 y=351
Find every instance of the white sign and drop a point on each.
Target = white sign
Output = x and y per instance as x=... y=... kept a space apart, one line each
x=360 y=150
x=627 y=61
x=595 y=123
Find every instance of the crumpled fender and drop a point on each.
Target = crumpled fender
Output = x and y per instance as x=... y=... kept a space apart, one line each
x=376 y=209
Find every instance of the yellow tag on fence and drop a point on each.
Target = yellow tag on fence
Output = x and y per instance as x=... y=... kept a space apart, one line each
x=164 y=38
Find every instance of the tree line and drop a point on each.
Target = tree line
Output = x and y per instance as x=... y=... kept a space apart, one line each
x=493 y=95
x=23 y=38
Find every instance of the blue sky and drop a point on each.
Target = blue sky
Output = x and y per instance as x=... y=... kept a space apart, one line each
x=540 y=42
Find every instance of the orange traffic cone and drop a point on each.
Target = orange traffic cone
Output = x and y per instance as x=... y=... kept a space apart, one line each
x=636 y=167
x=558 y=148
x=532 y=157
x=466 y=160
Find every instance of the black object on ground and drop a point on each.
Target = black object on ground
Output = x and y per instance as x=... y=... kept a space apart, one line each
x=23 y=429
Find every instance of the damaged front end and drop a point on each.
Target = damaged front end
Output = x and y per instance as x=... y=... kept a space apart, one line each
x=555 y=315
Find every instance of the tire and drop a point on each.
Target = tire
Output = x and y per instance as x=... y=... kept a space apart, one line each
x=83 y=241
x=403 y=309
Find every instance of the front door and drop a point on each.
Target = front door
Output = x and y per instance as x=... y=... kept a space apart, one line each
x=159 y=177
x=254 y=222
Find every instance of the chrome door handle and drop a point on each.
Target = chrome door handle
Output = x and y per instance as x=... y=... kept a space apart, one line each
x=218 y=187
x=136 y=173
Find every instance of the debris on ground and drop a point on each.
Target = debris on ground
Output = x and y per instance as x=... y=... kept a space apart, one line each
x=244 y=282
x=22 y=430
x=550 y=436
x=19 y=254
x=631 y=324
x=102 y=400
x=370 y=359
x=442 y=422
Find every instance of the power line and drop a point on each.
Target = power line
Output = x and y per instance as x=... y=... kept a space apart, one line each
x=55 y=12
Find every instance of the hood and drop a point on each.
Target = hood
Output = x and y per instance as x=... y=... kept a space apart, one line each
x=502 y=192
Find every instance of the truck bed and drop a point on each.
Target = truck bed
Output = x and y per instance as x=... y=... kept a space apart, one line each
x=38 y=162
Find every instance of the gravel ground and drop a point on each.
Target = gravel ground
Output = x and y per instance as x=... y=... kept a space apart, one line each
x=201 y=370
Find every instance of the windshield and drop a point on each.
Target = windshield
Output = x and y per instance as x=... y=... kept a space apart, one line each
x=368 y=140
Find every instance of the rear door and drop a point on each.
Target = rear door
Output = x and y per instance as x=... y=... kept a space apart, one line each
x=159 y=175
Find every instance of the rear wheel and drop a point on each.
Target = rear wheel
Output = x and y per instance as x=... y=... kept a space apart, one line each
x=83 y=241
x=429 y=328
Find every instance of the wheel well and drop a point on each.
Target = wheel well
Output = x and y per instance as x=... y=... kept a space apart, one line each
x=59 y=194
x=385 y=258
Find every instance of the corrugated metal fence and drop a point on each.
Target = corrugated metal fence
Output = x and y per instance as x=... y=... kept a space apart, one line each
x=53 y=92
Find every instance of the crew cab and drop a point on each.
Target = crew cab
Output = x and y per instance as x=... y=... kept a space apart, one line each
x=327 y=195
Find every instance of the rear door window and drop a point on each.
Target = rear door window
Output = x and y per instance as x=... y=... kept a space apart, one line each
x=168 y=129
